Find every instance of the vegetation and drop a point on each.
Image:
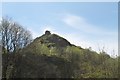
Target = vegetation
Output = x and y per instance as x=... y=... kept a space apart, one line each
x=51 y=56
x=14 y=38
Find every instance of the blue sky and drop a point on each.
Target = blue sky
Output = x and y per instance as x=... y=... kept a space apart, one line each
x=86 y=24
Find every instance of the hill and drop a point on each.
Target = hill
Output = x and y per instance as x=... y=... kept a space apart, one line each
x=54 y=39
x=51 y=56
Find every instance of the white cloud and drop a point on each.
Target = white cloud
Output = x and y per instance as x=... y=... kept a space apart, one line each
x=82 y=24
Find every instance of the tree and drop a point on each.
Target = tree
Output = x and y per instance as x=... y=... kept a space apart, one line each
x=13 y=37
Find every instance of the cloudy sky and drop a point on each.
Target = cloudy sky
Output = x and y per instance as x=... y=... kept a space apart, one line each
x=85 y=24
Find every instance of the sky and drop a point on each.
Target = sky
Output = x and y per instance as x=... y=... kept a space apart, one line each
x=60 y=0
x=85 y=24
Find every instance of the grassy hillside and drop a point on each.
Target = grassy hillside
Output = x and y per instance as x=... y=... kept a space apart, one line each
x=51 y=56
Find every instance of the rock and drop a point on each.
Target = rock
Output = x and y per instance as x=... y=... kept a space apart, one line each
x=47 y=32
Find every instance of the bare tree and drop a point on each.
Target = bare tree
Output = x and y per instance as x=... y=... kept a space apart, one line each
x=13 y=37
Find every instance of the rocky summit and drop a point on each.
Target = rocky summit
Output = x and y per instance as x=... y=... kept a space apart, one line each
x=52 y=40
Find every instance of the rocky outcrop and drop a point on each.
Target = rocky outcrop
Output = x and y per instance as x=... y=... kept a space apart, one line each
x=47 y=32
